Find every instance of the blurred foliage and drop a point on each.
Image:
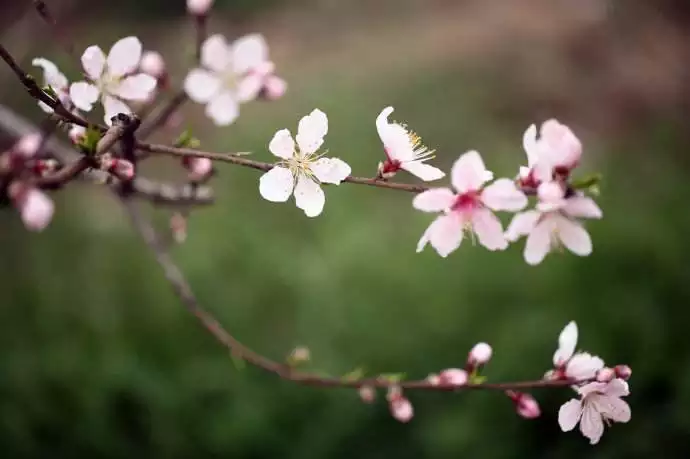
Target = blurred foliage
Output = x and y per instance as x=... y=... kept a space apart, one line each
x=98 y=358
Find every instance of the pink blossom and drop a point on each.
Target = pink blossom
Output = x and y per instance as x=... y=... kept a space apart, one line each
x=35 y=207
x=400 y=407
x=123 y=169
x=27 y=146
x=554 y=223
x=54 y=78
x=479 y=355
x=606 y=374
x=76 y=133
x=367 y=394
x=623 y=372
x=199 y=168
x=556 y=151
x=199 y=7
x=525 y=405
x=469 y=208
x=599 y=403
x=152 y=63
x=569 y=364
x=453 y=376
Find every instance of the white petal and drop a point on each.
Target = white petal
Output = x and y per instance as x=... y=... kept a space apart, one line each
x=395 y=138
x=434 y=200
x=561 y=144
x=124 y=56
x=382 y=122
x=223 y=109
x=539 y=241
x=112 y=107
x=423 y=171
x=529 y=143
x=574 y=236
x=488 y=229
x=522 y=224
x=503 y=194
x=591 y=388
x=249 y=87
x=201 y=85
x=469 y=173
x=249 y=52
x=583 y=366
x=309 y=196
x=45 y=107
x=445 y=234
x=51 y=75
x=215 y=53
x=83 y=95
x=277 y=184
x=582 y=207
x=569 y=415
x=93 y=61
x=612 y=408
x=617 y=388
x=331 y=170
x=591 y=424
x=311 y=131
x=567 y=341
x=135 y=87
x=282 y=144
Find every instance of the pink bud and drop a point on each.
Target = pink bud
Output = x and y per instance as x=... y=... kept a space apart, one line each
x=367 y=394
x=76 y=133
x=563 y=145
x=199 y=7
x=526 y=406
x=28 y=145
x=199 y=168
x=454 y=376
x=479 y=355
x=623 y=372
x=122 y=168
x=34 y=206
x=178 y=227
x=550 y=192
x=274 y=88
x=433 y=379
x=401 y=409
x=153 y=64
x=605 y=374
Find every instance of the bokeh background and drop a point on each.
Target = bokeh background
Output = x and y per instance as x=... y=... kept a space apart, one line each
x=99 y=359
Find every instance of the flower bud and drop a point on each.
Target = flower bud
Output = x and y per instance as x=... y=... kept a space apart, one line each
x=367 y=394
x=35 y=207
x=152 y=63
x=623 y=372
x=199 y=168
x=479 y=355
x=454 y=377
x=199 y=7
x=527 y=407
x=299 y=355
x=121 y=168
x=605 y=374
x=178 y=227
x=274 y=88
x=400 y=407
x=433 y=379
x=28 y=145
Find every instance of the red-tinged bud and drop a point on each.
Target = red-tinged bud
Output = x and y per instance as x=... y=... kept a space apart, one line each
x=123 y=169
x=367 y=394
x=274 y=88
x=525 y=405
x=42 y=167
x=28 y=145
x=35 y=207
x=199 y=7
x=400 y=407
x=479 y=355
x=623 y=372
x=454 y=377
x=152 y=63
x=199 y=168
x=605 y=374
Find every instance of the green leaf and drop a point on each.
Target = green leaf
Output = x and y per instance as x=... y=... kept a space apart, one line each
x=90 y=140
x=187 y=140
x=50 y=91
x=392 y=377
x=354 y=375
x=588 y=182
x=238 y=362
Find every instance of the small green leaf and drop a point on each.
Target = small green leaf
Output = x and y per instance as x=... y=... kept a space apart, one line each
x=238 y=362
x=477 y=379
x=187 y=140
x=392 y=377
x=587 y=182
x=50 y=91
x=354 y=375
x=89 y=141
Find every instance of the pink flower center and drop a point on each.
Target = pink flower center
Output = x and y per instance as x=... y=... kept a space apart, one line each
x=390 y=166
x=466 y=201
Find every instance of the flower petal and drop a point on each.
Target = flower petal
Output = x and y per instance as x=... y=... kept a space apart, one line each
x=539 y=242
x=83 y=95
x=582 y=207
x=445 y=234
x=574 y=236
x=529 y=143
x=311 y=131
x=93 y=61
x=223 y=109
x=560 y=143
x=488 y=229
x=423 y=171
x=434 y=200
x=201 y=85
x=331 y=170
x=124 y=56
x=503 y=194
x=249 y=87
x=567 y=341
x=112 y=107
x=135 y=87
x=469 y=173
x=617 y=388
x=51 y=75
x=522 y=224
x=277 y=184
x=591 y=424
x=309 y=196
x=569 y=414
x=583 y=366
x=395 y=138
x=248 y=52
x=215 y=53
x=613 y=408
x=282 y=144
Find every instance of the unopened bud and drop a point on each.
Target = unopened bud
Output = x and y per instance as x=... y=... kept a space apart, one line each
x=152 y=63
x=433 y=379
x=605 y=374
x=35 y=207
x=623 y=372
x=367 y=394
x=42 y=167
x=76 y=133
x=28 y=145
x=199 y=168
x=479 y=355
x=400 y=407
x=121 y=168
x=525 y=405
x=178 y=227
x=274 y=88
x=454 y=376
x=299 y=355
x=199 y=7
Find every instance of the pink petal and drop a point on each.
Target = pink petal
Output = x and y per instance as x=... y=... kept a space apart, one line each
x=539 y=242
x=201 y=85
x=434 y=200
x=503 y=194
x=249 y=87
x=135 y=87
x=215 y=53
x=569 y=415
x=274 y=88
x=444 y=234
x=617 y=388
x=522 y=224
x=488 y=229
x=124 y=56
x=152 y=63
x=309 y=196
x=199 y=7
x=454 y=376
x=530 y=145
x=423 y=171
x=223 y=109
x=282 y=145
x=112 y=107
x=83 y=95
x=591 y=424
x=612 y=408
x=51 y=75
x=564 y=148
x=551 y=196
x=36 y=210
x=583 y=366
x=582 y=207
x=567 y=341
x=401 y=409
x=249 y=52
x=331 y=170
x=469 y=173
x=93 y=61
x=573 y=236
x=277 y=184
x=311 y=131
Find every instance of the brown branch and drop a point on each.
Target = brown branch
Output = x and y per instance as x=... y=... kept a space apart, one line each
x=240 y=160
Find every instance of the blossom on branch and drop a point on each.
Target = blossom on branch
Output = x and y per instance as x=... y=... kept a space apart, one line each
x=231 y=74
x=404 y=150
x=112 y=79
x=199 y=7
x=469 y=208
x=55 y=79
x=35 y=208
x=301 y=170
x=569 y=364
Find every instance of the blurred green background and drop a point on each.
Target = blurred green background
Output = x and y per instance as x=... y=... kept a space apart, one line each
x=98 y=358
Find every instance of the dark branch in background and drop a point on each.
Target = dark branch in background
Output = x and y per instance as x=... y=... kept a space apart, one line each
x=160 y=193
